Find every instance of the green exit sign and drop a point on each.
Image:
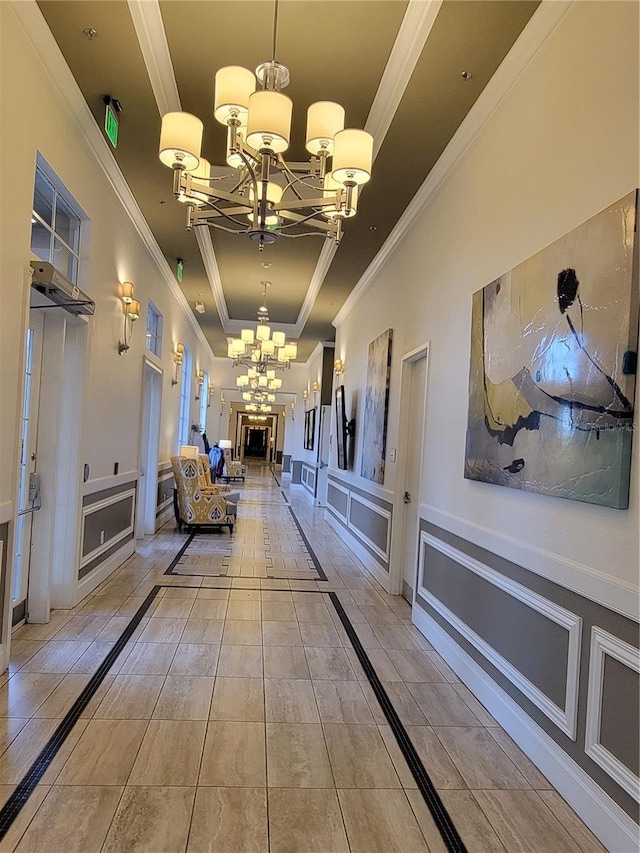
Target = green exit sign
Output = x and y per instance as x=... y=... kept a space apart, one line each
x=180 y=269
x=111 y=125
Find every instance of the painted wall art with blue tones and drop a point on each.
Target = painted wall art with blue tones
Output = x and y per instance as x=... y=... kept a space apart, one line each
x=553 y=363
x=376 y=408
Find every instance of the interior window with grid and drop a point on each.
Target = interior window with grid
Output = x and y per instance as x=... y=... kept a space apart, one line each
x=55 y=228
x=154 y=329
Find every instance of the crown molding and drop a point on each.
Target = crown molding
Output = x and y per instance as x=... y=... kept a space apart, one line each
x=543 y=22
x=413 y=33
x=39 y=35
x=203 y=238
x=149 y=27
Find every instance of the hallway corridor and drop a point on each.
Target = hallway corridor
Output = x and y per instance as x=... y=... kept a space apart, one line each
x=236 y=711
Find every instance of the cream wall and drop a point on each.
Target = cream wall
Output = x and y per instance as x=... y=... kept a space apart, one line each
x=561 y=146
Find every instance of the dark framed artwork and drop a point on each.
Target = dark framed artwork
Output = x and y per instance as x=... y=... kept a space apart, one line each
x=553 y=363
x=309 y=428
x=376 y=408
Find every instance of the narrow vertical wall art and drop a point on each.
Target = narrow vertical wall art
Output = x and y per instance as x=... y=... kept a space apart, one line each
x=376 y=408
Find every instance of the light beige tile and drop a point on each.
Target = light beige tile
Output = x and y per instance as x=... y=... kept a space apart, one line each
x=341 y=702
x=441 y=705
x=290 y=701
x=184 y=697
x=380 y=822
x=22 y=651
x=242 y=632
x=229 y=819
x=285 y=662
x=414 y=665
x=305 y=820
x=243 y=609
x=329 y=663
x=23 y=818
x=130 y=697
x=56 y=657
x=26 y=747
x=278 y=611
x=25 y=692
x=394 y=636
x=238 y=699
x=528 y=769
x=478 y=709
x=359 y=758
x=234 y=755
x=277 y=594
x=523 y=823
x=481 y=762
x=281 y=634
x=93 y=657
x=195 y=659
x=83 y=626
x=171 y=606
x=10 y=728
x=580 y=833
x=149 y=659
x=114 y=628
x=403 y=702
x=297 y=756
x=380 y=661
x=426 y=823
x=312 y=612
x=151 y=819
x=203 y=631
x=170 y=753
x=104 y=754
x=240 y=662
x=163 y=630
x=319 y=635
x=66 y=693
x=436 y=759
x=471 y=822
x=444 y=668
x=209 y=608
x=88 y=810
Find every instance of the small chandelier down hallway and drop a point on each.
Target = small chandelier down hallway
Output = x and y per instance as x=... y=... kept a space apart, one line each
x=262 y=351
x=262 y=196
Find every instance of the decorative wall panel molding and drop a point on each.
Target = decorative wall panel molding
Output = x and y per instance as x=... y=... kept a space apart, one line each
x=122 y=533
x=603 y=644
x=563 y=717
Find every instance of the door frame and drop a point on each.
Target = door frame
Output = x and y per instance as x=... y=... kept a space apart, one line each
x=148 y=448
x=398 y=546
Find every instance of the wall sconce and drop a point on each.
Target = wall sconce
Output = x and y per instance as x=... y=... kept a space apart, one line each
x=131 y=313
x=178 y=358
x=293 y=409
x=315 y=387
x=338 y=367
x=200 y=381
x=305 y=394
x=223 y=403
x=210 y=390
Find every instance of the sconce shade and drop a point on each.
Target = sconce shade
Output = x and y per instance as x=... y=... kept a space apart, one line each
x=305 y=394
x=269 y=123
x=127 y=292
x=133 y=309
x=234 y=85
x=352 y=156
x=181 y=140
x=324 y=120
x=315 y=387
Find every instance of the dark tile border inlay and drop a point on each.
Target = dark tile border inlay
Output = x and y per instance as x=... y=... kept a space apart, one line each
x=179 y=555
x=446 y=827
x=34 y=774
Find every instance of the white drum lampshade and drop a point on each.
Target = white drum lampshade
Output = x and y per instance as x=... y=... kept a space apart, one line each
x=324 y=120
x=181 y=140
x=269 y=124
x=234 y=86
x=352 y=156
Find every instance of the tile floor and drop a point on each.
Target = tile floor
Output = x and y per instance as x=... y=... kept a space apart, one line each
x=237 y=718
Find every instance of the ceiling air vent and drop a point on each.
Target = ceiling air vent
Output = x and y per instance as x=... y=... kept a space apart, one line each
x=52 y=284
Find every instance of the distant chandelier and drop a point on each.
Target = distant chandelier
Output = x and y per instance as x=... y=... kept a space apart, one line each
x=277 y=199
x=260 y=349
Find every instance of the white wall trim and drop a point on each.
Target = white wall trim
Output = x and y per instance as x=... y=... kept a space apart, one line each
x=349 y=478
x=45 y=46
x=610 y=823
x=355 y=498
x=334 y=509
x=110 y=482
x=102 y=572
x=149 y=27
x=543 y=22
x=603 y=643
x=108 y=543
x=565 y=718
x=611 y=592
x=6 y=512
x=367 y=559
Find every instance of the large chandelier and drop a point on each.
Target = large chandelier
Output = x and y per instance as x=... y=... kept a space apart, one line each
x=260 y=349
x=263 y=196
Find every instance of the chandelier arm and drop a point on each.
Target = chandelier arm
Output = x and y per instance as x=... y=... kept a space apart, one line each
x=301 y=221
x=218 y=226
x=227 y=216
x=305 y=234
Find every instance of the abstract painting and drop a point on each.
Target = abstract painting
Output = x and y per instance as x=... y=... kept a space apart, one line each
x=553 y=363
x=376 y=408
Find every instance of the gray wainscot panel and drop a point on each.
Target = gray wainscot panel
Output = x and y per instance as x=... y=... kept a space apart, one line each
x=105 y=524
x=370 y=527
x=337 y=499
x=165 y=489
x=296 y=471
x=106 y=528
x=537 y=647
x=369 y=522
x=286 y=463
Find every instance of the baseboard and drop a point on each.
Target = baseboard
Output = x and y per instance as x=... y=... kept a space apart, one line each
x=96 y=577
x=613 y=826
x=370 y=563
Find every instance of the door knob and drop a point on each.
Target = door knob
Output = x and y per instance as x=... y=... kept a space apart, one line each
x=407 y=498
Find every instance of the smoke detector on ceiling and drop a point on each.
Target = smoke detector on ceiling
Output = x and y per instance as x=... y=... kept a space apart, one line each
x=200 y=307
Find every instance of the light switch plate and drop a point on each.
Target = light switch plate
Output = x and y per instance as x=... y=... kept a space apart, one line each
x=392 y=455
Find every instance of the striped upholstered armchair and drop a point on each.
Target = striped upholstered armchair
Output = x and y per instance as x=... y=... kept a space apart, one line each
x=199 y=504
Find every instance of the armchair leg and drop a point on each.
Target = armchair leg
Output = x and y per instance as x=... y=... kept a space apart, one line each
x=231 y=528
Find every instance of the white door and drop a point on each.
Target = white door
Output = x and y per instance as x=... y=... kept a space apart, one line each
x=28 y=489
x=149 y=446
x=413 y=415
x=324 y=447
